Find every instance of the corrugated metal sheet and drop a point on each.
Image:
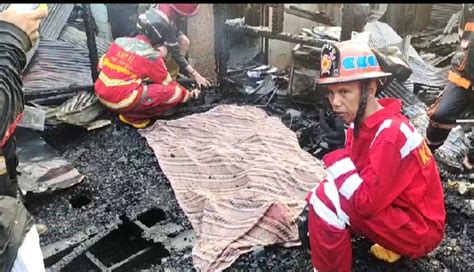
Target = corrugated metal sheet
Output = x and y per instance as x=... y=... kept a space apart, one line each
x=4 y=6
x=441 y=13
x=397 y=90
x=77 y=37
x=383 y=35
x=57 y=64
x=55 y=21
x=428 y=75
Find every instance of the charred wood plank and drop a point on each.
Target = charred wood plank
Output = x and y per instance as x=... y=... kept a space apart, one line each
x=96 y=261
x=318 y=17
x=268 y=33
x=91 y=43
x=45 y=93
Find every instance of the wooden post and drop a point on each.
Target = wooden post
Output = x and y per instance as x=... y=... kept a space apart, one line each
x=221 y=41
x=91 y=44
x=347 y=22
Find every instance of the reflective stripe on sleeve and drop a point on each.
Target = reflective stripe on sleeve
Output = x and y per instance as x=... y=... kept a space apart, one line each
x=413 y=140
x=325 y=213
x=350 y=185
x=341 y=167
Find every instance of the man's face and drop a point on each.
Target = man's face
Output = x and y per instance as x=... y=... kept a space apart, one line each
x=344 y=99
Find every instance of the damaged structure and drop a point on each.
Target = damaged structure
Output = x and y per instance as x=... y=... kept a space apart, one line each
x=118 y=199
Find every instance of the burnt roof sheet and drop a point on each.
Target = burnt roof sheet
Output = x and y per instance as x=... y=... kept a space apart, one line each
x=78 y=37
x=428 y=75
x=55 y=21
x=57 y=64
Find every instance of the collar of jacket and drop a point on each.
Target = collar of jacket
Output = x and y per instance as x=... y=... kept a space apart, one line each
x=391 y=106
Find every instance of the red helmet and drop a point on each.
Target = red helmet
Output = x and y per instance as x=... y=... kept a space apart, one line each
x=348 y=61
x=187 y=10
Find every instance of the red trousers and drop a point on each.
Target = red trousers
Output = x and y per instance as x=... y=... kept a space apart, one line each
x=331 y=246
x=154 y=102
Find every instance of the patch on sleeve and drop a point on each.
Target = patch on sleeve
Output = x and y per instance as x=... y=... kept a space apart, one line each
x=424 y=154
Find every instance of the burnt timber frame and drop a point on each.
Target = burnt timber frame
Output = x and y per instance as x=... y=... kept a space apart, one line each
x=262 y=31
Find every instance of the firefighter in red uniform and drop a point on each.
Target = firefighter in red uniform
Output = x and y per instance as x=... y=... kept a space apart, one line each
x=176 y=42
x=382 y=181
x=134 y=80
x=458 y=93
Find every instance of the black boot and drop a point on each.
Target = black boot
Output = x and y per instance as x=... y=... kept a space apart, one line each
x=303 y=227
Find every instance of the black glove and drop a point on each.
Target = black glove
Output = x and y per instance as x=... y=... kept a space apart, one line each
x=303 y=227
x=332 y=137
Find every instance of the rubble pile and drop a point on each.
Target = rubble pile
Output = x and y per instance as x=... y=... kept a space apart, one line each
x=122 y=213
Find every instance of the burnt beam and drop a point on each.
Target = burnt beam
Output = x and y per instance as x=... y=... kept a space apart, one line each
x=45 y=93
x=268 y=33
x=318 y=17
x=91 y=43
x=221 y=42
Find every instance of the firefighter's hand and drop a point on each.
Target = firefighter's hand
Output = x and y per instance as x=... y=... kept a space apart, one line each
x=201 y=81
x=27 y=21
x=332 y=138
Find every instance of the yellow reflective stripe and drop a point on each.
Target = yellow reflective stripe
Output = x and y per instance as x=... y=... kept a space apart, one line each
x=117 y=82
x=176 y=95
x=3 y=166
x=126 y=102
x=167 y=80
x=118 y=68
x=135 y=125
x=457 y=79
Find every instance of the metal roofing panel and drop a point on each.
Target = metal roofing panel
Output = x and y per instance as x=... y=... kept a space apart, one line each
x=382 y=35
x=78 y=37
x=57 y=64
x=428 y=75
x=55 y=21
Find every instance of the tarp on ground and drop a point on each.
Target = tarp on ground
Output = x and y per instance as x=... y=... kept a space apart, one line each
x=239 y=175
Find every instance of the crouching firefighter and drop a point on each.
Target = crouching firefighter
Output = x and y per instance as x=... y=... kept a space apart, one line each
x=458 y=93
x=382 y=181
x=134 y=81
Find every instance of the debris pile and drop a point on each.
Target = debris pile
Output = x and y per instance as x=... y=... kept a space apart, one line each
x=123 y=202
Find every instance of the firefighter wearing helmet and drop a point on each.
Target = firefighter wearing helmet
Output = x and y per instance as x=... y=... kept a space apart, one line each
x=159 y=23
x=134 y=80
x=458 y=93
x=382 y=181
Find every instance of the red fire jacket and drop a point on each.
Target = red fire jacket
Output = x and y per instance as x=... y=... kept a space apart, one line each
x=125 y=67
x=383 y=185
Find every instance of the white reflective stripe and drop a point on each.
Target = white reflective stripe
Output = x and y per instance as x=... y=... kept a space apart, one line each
x=341 y=167
x=325 y=213
x=351 y=125
x=413 y=140
x=29 y=257
x=350 y=185
x=330 y=190
x=384 y=125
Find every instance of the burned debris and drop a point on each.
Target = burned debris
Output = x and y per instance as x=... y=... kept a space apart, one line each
x=113 y=197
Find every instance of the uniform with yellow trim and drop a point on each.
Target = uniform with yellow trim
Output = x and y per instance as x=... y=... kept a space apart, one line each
x=382 y=183
x=135 y=83
x=458 y=93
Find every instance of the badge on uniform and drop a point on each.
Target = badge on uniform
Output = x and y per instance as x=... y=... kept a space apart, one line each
x=329 y=61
